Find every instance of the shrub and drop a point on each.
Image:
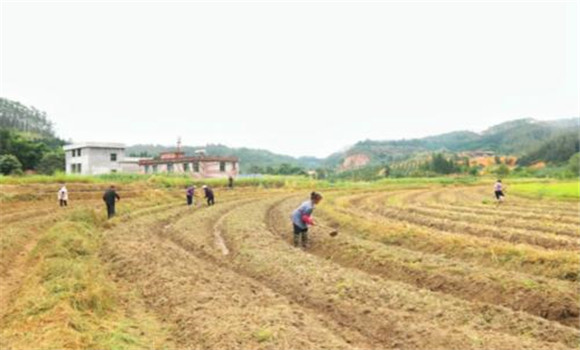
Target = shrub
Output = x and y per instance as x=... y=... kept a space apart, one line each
x=10 y=165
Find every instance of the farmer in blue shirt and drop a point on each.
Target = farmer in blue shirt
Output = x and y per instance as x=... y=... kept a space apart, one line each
x=302 y=217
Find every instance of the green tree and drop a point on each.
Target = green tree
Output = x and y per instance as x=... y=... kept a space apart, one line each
x=51 y=162
x=387 y=170
x=574 y=164
x=474 y=171
x=10 y=165
x=502 y=170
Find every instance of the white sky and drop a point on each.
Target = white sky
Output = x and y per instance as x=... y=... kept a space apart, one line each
x=298 y=78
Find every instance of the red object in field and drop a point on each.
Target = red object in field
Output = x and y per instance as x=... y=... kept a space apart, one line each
x=307 y=219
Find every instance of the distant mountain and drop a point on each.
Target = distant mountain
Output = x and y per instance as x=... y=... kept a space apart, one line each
x=558 y=149
x=516 y=137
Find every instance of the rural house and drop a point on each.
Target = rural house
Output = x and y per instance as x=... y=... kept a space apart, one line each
x=200 y=166
x=94 y=158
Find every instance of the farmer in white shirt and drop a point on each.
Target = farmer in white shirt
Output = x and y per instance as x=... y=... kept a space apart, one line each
x=63 y=196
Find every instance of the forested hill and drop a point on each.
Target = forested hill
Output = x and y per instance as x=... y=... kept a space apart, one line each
x=517 y=137
x=16 y=116
x=27 y=140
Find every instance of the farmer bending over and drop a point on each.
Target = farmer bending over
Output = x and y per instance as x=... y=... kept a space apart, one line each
x=208 y=192
x=302 y=217
x=189 y=193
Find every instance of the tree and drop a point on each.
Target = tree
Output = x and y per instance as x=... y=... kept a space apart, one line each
x=10 y=165
x=502 y=170
x=387 y=170
x=51 y=162
x=574 y=164
x=439 y=164
x=474 y=171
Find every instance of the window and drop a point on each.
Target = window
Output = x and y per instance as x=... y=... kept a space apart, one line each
x=73 y=168
x=196 y=167
x=79 y=168
x=146 y=169
x=74 y=153
x=234 y=165
x=113 y=171
x=170 y=168
x=186 y=166
x=113 y=157
x=155 y=168
x=222 y=166
x=78 y=152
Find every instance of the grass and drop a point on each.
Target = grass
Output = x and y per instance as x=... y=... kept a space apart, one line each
x=68 y=301
x=555 y=190
x=267 y=181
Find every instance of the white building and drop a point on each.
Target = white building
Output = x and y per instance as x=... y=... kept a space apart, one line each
x=93 y=158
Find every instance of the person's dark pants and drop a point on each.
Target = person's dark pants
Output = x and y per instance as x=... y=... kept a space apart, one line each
x=189 y=200
x=210 y=201
x=63 y=203
x=300 y=236
x=110 y=210
x=499 y=194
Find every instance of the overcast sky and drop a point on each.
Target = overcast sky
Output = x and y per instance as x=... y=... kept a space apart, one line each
x=298 y=78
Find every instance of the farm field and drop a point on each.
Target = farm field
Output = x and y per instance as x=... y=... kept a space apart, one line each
x=424 y=266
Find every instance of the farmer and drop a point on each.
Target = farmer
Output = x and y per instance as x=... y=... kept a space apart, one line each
x=230 y=182
x=302 y=217
x=498 y=190
x=63 y=196
x=208 y=192
x=189 y=192
x=110 y=197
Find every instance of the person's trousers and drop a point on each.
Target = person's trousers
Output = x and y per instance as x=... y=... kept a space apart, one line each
x=210 y=201
x=63 y=203
x=300 y=236
x=189 y=200
x=110 y=210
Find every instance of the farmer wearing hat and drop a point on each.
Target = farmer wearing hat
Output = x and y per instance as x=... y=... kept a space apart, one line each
x=302 y=217
x=208 y=192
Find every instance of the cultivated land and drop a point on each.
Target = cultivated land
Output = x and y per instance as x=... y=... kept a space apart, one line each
x=415 y=266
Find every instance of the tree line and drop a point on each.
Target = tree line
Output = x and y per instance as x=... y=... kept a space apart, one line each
x=27 y=141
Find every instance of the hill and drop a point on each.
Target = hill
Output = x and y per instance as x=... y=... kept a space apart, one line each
x=516 y=137
x=27 y=140
x=18 y=117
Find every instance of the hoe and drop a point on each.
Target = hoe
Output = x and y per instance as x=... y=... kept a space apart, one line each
x=333 y=232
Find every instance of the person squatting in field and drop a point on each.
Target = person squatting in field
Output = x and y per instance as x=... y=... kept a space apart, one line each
x=63 y=196
x=302 y=217
x=208 y=193
x=498 y=190
x=110 y=197
x=189 y=194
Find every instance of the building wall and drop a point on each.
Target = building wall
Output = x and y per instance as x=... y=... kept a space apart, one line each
x=95 y=161
x=206 y=169
x=130 y=167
